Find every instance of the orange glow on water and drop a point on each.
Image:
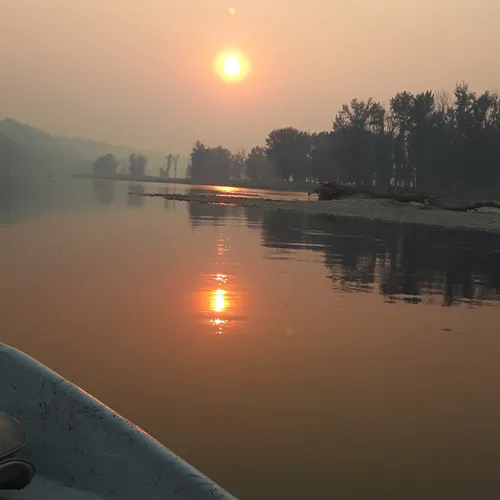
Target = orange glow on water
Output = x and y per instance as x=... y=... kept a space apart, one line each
x=219 y=300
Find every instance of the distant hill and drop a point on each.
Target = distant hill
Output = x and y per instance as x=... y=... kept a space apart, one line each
x=72 y=152
x=16 y=163
x=9 y=149
x=13 y=156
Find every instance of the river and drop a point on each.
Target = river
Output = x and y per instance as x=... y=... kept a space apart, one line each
x=284 y=355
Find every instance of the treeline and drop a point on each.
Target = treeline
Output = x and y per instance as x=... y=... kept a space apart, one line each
x=107 y=165
x=218 y=164
x=432 y=142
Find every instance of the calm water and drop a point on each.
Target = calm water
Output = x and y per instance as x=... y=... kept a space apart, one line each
x=284 y=355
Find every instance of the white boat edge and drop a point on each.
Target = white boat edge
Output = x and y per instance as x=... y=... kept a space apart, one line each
x=78 y=443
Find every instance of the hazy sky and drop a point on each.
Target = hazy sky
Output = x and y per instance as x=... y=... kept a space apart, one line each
x=139 y=72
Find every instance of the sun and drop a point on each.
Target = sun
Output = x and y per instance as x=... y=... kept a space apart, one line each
x=232 y=65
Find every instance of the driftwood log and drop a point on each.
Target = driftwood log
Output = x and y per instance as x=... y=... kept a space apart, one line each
x=464 y=206
x=334 y=191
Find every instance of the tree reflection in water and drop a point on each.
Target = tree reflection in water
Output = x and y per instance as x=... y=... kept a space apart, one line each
x=104 y=191
x=405 y=261
x=402 y=262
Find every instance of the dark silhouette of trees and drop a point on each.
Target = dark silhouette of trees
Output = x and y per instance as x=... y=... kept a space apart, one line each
x=400 y=107
x=422 y=141
x=359 y=130
x=288 y=150
x=106 y=165
x=238 y=163
x=322 y=162
x=437 y=144
x=258 y=167
x=210 y=164
x=137 y=165
x=419 y=147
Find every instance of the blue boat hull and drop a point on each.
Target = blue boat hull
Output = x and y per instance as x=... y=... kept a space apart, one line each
x=80 y=445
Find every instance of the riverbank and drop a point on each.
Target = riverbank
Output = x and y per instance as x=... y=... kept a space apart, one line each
x=486 y=220
x=277 y=185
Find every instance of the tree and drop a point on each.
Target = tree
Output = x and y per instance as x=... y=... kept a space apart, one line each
x=288 y=150
x=221 y=163
x=475 y=138
x=106 y=165
x=258 y=167
x=421 y=115
x=401 y=106
x=323 y=164
x=210 y=164
x=137 y=165
x=442 y=166
x=238 y=162
x=357 y=128
x=197 y=162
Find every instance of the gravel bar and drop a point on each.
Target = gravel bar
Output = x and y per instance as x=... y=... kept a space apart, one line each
x=486 y=220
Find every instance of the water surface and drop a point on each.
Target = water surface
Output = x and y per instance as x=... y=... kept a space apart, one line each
x=284 y=355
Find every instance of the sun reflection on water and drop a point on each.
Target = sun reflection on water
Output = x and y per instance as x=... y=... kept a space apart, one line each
x=222 y=278
x=219 y=300
x=220 y=250
x=220 y=294
x=218 y=324
x=227 y=189
x=219 y=303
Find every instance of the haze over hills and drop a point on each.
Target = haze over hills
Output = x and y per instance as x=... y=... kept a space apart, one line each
x=12 y=154
x=69 y=153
